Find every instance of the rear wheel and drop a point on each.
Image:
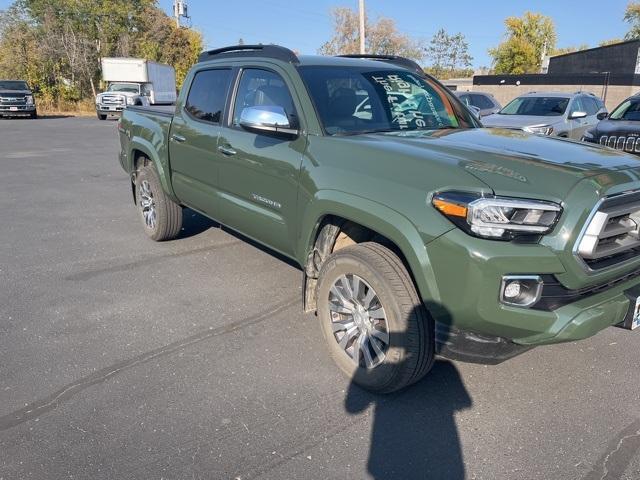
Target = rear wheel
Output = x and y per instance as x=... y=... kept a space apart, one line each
x=161 y=216
x=376 y=327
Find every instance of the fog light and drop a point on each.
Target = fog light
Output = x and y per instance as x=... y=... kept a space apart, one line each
x=520 y=290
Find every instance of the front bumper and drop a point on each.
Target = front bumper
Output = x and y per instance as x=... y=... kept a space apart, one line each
x=109 y=109
x=468 y=272
x=17 y=110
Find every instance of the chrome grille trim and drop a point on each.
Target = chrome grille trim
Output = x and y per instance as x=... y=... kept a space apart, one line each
x=612 y=141
x=630 y=143
x=603 y=140
x=611 y=229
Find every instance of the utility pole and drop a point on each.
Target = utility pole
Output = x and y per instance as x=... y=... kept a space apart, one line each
x=362 y=37
x=180 y=10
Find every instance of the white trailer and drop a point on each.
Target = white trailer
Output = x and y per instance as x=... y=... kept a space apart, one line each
x=135 y=81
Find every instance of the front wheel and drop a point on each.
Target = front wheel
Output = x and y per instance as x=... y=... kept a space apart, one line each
x=377 y=329
x=161 y=216
x=101 y=116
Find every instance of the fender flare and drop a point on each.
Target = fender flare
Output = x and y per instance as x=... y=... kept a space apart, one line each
x=378 y=218
x=139 y=144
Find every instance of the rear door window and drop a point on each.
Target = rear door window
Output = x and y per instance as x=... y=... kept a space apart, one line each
x=481 y=101
x=208 y=95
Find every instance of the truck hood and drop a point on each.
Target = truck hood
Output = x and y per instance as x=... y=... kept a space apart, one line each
x=518 y=121
x=510 y=162
x=14 y=93
x=617 y=127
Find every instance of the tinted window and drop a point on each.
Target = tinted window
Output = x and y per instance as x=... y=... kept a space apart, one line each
x=207 y=95
x=537 y=106
x=353 y=101
x=578 y=105
x=627 y=110
x=13 y=85
x=263 y=88
x=481 y=101
x=591 y=105
x=465 y=99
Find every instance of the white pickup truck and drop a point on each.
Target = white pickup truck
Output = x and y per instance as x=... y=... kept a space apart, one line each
x=134 y=81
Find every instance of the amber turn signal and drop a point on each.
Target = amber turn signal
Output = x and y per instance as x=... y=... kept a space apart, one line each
x=450 y=208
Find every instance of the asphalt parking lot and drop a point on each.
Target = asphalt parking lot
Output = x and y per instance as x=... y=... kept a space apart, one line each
x=124 y=358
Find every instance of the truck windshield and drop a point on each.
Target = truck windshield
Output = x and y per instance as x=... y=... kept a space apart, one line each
x=627 y=110
x=124 y=87
x=352 y=101
x=536 y=106
x=13 y=85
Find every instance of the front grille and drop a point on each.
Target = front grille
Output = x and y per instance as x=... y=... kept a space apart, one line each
x=12 y=101
x=628 y=144
x=112 y=100
x=612 y=235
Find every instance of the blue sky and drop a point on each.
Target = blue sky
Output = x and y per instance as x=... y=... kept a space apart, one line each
x=305 y=25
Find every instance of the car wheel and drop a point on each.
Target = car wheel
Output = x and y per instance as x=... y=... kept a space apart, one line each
x=102 y=117
x=377 y=329
x=161 y=216
x=34 y=115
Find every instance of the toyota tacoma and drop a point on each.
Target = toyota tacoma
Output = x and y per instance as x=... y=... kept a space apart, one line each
x=418 y=232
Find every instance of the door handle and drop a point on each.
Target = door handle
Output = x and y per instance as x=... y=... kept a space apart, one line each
x=178 y=138
x=226 y=150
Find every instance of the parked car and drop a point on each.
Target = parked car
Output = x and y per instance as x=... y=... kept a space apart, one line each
x=134 y=81
x=16 y=99
x=417 y=231
x=558 y=114
x=484 y=102
x=621 y=129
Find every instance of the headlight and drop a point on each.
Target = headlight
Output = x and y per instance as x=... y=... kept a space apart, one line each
x=539 y=130
x=130 y=101
x=499 y=218
x=29 y=99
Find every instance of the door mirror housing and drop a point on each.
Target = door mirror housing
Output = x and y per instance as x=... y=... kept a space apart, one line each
x=602 y=115
x=266 y=119
x=578 y=114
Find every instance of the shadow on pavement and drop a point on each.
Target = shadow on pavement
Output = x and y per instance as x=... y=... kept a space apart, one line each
x=414 y=434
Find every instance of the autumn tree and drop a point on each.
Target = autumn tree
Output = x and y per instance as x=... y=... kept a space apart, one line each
x=571 y=49
x=632 y=17
x=382 y=37
x=527 y=39
x=57 y=45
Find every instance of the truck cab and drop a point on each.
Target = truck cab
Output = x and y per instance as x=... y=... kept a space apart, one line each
x=133 y=81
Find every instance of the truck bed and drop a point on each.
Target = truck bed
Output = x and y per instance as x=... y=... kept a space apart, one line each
x=167 y=110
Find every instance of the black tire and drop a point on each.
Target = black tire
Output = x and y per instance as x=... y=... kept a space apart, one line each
x=410 y=353
x=168 y=214
x=101 y=116
x=34 y=115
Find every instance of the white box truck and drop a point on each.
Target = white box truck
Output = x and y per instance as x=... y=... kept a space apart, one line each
x=134 y=81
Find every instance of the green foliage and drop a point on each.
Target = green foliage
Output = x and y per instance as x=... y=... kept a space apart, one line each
x=632 y=17
x=448 y=54
x=527 y=39
x=571 y=49
x=57 y=45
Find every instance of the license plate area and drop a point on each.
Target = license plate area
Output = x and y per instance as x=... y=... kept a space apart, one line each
x=13 y=109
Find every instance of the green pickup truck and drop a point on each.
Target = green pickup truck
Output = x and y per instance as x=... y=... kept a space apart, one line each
x=419 y=233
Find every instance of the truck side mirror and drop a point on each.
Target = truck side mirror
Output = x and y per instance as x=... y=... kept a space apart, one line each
x=266 y=119
x=602 y=115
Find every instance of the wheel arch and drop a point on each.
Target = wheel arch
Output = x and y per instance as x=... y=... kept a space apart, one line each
x=348 y=219
x=141 y=148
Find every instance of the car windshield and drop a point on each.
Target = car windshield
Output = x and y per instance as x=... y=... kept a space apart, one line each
x=124 y=87
x=536 y=106
x=353 y=101
x=627 y=110
x=13 y=85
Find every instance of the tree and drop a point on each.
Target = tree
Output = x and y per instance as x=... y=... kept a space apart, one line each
x=382 y=37
x=612 y=41
x=449 y=54
x=632 y=17
x=57 y=45
x=528 y=38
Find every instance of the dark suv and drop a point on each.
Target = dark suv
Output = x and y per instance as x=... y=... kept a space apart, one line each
x=621 y=129
x=16 y=99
